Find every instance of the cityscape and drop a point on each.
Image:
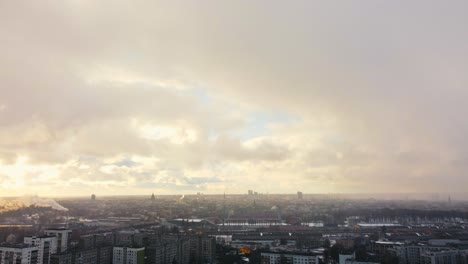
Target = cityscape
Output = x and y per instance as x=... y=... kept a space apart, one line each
x=233 y=132
x=234 y=228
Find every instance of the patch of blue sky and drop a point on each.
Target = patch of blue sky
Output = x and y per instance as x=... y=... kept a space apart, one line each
x=200 y=93
x=259 y=124
x=126 y=162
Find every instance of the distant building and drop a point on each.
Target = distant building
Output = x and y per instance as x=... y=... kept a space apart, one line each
x=293 y=258
x=153 y=197
x=93 y=197
x=125 y=238
x=61 y=258
x=382 y=247
x=440 y=257
x=85 y=256
x=127 y=255
x=379 y=225
x=63 y=238
x=428 y=254
x=202 y=249
x=254 y=220
x=250 y=192
x=96 y=240
x=353 y=221
x=190 y=223
x=223 y=239
x=350 y=259
x=346 y=242
x=102 y=255
x=299 y=195
x=169 y=250
x=411 y=254
x=87 y=241
x=19 y=254
x=47 y=245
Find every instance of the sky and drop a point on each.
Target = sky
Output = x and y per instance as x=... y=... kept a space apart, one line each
x=177 y=97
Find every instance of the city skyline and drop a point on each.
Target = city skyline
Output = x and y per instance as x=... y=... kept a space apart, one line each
x=141 y=97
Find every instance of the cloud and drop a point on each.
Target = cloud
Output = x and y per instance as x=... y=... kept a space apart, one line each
x=116 y=98
x=7 y=157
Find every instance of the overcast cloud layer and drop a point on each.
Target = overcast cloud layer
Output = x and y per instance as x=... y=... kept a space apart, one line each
x=135 y=97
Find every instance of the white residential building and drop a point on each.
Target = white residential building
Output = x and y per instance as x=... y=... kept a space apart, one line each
x=277 y=258
x=63 y=238
x=47 y=246
x=126 y=255
x=19 y=254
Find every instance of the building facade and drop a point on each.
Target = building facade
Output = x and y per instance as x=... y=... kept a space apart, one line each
x=47 y=245
x=126 y=255
x=202 y=249
x=169 y=250
x=63 y=238
x=61 y=258
x=18 y=254
x=440 y=257
x=278 y=258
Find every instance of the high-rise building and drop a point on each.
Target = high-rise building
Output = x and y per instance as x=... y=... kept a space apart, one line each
x=61 y=258
x=18 y=254
x=202 y=249
x=47 y=245
x=250 y=192
x=104 y=255
x=100 y=255
x=93 y=197
x=126 y=255
x=85 y=256
x=96 y=240
x=63 y=238
x=125 y=238
x=300 y=195
x=169 y=250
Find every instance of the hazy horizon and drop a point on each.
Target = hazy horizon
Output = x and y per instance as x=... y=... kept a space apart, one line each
x=141 y=97
x=436 y=197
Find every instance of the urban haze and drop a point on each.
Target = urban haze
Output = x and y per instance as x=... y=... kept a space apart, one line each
x=180 y=132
